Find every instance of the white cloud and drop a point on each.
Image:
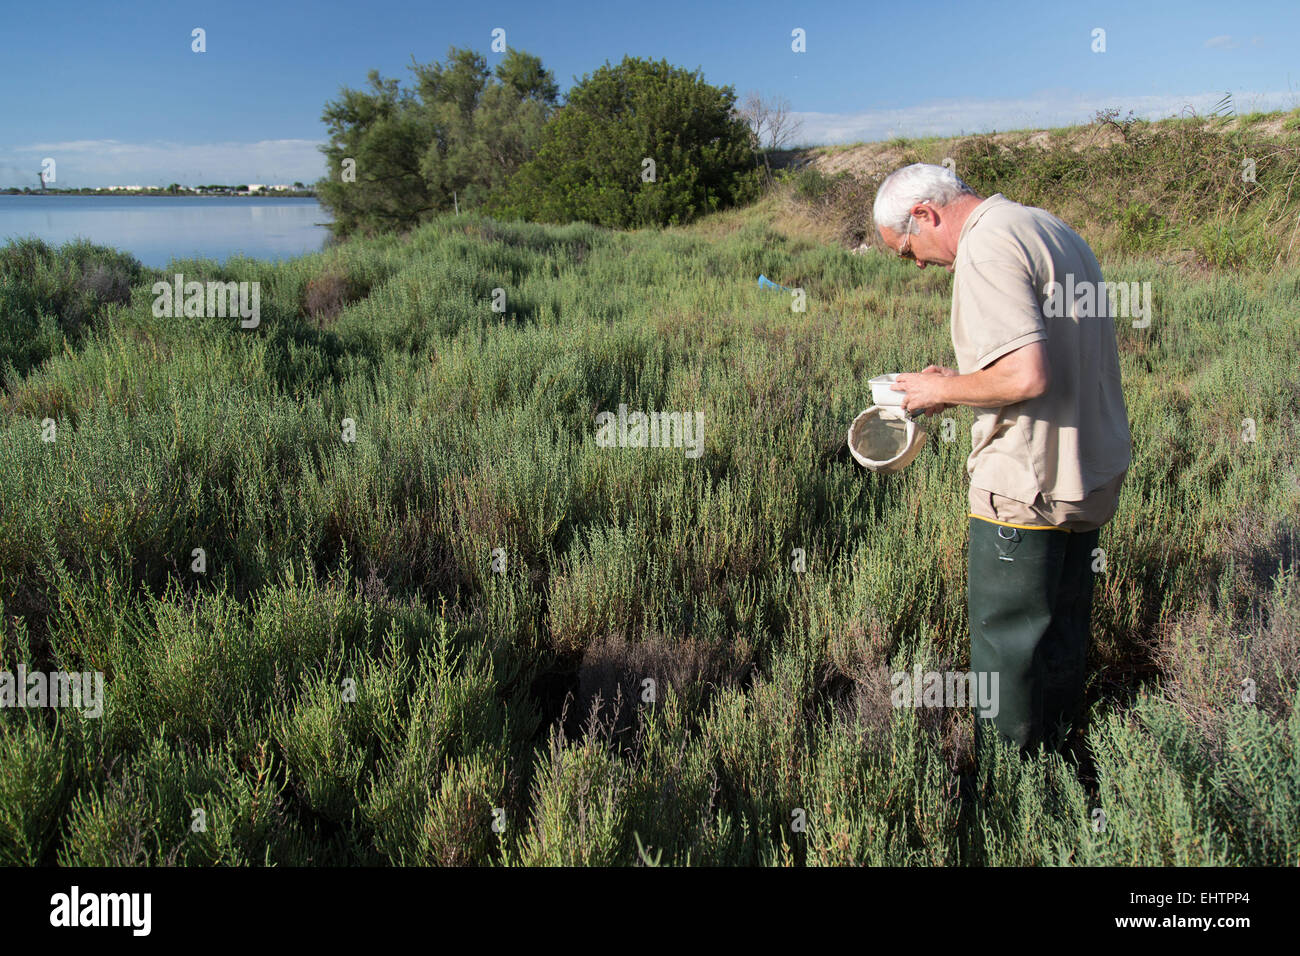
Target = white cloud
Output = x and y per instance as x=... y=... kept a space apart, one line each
x=110 y=162
x=1222 y=42
x=1040 y=111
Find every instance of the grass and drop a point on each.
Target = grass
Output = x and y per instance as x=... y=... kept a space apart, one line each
x=357 y=678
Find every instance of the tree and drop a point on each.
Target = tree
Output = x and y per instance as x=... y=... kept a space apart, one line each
x=639 y=143
x=449 y=95
x=383 y=135
x=459 y=134
x=771 y=126
x=505 y=129
x=772 y=122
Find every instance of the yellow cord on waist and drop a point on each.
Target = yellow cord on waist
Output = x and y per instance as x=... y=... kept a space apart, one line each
x=1022 y=527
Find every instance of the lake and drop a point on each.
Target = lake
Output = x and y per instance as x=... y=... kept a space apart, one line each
x=156 y=229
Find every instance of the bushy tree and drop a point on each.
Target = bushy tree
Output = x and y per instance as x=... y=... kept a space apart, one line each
x=486 y=125
x=460 y=133
x=383 y=134
x=592 y=161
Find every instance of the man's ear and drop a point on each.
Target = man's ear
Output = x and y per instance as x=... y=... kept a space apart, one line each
x=927 y=212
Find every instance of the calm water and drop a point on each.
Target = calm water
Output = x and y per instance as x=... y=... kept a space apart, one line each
x=156 y=229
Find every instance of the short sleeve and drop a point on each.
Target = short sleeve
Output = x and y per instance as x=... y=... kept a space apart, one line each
x=1000 y=305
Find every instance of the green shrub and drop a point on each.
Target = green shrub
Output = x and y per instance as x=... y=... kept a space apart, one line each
x=592 y=161
x=51 y=295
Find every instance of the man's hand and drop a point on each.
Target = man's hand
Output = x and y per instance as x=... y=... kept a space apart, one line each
x=1021 y=374
x=924 y=390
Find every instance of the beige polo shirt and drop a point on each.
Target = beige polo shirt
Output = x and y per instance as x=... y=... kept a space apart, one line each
x=1074 y=438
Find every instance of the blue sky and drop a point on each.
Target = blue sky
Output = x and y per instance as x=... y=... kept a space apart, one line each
x=116 y=96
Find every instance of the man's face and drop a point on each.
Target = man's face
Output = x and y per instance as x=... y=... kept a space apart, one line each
x=925 y=246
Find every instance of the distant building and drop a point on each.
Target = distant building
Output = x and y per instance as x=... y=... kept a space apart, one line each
x=256 y=187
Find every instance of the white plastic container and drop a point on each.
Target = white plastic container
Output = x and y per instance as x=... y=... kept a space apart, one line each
x=881 y=391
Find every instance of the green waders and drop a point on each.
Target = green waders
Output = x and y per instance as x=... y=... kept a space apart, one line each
x=1030 y=610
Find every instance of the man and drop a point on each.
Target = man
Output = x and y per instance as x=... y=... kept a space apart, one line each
x=1050 y=444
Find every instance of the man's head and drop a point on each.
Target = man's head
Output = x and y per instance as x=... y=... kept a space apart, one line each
x=920 y=210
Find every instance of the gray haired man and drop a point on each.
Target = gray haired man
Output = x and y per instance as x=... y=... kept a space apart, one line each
x=1050 y=445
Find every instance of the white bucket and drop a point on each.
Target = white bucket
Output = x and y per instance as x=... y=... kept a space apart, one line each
x=882 y=393
x=885 y=440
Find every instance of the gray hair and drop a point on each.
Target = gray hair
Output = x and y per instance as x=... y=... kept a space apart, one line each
x=904 y=188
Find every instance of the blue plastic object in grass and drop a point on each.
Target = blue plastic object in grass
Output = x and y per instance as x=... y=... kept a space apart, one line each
x=765 y=283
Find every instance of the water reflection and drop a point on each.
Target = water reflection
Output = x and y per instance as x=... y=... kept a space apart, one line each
x=157 y=229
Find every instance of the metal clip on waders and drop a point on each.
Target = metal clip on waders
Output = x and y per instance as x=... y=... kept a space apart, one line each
x=1013 y=536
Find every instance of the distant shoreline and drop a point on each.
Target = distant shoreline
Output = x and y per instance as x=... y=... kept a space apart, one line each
x=165 y=193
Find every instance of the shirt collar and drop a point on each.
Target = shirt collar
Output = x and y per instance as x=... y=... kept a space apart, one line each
x=978 y=211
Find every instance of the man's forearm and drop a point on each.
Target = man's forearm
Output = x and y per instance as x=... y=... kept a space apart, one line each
x=1018 y=375
x=987 y=388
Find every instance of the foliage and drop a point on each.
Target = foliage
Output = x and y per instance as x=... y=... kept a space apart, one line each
x=49 y=295
x=454 y=138
x=593 y=162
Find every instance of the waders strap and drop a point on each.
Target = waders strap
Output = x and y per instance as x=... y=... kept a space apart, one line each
x=1022 y=527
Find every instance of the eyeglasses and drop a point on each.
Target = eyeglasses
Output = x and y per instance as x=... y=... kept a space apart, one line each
x=905 y=250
